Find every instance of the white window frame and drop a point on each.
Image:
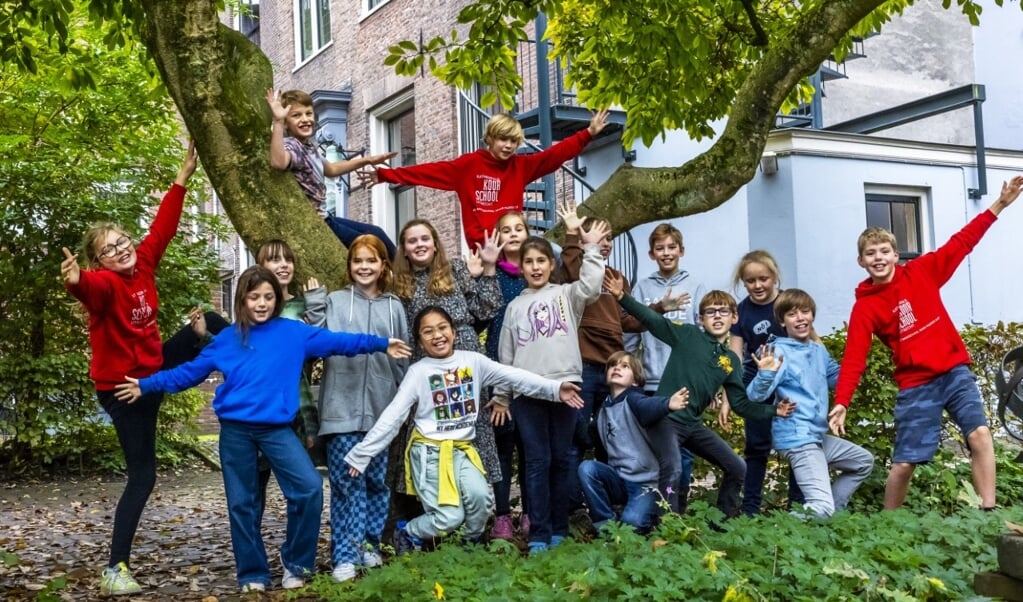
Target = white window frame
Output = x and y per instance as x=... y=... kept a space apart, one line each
x=382 y=199
x=368 y=10
x=318 y=45
x=921 y=196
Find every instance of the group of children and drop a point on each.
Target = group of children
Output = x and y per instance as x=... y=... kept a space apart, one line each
x=454 y=419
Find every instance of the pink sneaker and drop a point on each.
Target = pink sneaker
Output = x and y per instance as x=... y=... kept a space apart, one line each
x=502 y=528
x=524 y=524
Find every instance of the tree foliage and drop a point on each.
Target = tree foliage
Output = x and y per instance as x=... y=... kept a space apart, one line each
x=76 y=154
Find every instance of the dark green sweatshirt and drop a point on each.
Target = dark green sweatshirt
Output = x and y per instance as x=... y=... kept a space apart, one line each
x=698 y=362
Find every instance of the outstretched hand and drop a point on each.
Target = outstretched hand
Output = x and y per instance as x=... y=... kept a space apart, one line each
x=836 y=420
x=197 y=320
x=189 y=165
x=381 y=158
x=567 y=213
x=615 y=284
x=490 y=252
x=766 y=359
x=785 y=408
x=368 y=177
x=1010 y=192
x=398 y=349
x=69 y=269
x=669 y=303
x=597 y=232
x=569 y=393
x=273 y=98
x=500 y=412
x=679 y=400
x=128 y=392
x=598 y=121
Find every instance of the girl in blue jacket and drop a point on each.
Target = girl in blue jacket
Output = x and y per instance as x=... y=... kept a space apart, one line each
x=261 y=357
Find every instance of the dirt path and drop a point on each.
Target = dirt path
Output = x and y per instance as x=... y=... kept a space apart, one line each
x=60 y=530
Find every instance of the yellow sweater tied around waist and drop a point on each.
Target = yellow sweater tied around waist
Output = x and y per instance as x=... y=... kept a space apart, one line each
x=447 y=489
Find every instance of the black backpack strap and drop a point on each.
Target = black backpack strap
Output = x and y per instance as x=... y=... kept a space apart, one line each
x=1007 y=397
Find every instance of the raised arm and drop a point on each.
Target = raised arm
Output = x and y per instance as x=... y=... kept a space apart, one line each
x=550 y=159
x=280 y=158
x=339 y=168
x=387 y=425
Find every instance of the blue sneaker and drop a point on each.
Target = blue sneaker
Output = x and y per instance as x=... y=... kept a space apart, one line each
x=403 y=541
x=537 y=547
x=556 y=540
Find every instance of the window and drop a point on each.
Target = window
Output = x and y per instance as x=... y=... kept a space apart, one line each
x=401 y=138
x=372 y=4
x=312 y=19
x=900 y=214
x=248 y=20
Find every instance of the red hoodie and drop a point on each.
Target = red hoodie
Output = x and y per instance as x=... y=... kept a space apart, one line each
x=908 y=316
x=123 y=334
x=487 y=188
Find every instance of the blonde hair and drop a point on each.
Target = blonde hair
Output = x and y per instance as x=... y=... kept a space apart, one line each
x=94 y=236
x=376 y=246
x=664 y=231
x=875 y=235
x=637 y=367
x=503 y=126
x=763 y=258
x=442 y=279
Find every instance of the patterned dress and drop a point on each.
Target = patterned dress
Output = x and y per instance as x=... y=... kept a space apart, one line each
x=474 y=300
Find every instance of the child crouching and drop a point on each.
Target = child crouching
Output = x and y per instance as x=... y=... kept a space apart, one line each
x=631 y=474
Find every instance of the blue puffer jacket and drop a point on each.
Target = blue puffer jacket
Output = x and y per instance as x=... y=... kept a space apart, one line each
x=805 y=375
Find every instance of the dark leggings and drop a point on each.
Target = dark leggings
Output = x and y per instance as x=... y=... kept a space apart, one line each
x=348 y=230
x=135 y=424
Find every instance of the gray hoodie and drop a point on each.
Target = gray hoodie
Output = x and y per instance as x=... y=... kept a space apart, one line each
x=622 y=423
x=648 y=291
x=355 y=390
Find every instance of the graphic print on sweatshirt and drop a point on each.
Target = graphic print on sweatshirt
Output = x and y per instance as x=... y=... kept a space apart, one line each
x=142 y=314
x=547 y=319
x=454 y=398
x=488 y=188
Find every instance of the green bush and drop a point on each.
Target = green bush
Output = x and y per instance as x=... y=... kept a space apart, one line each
x=853 y=556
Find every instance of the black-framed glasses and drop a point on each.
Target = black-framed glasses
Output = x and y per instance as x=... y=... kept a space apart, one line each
x=119 y=245
x=710 y=312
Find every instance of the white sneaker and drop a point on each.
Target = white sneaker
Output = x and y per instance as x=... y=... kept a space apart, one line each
x=253 y=587
x=344 y=572
x=290 y=580
x=117 y=581
x=371 y=559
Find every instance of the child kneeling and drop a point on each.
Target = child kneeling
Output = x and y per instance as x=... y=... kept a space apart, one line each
x=442 y=466
x=799 y=369
x=631 y=474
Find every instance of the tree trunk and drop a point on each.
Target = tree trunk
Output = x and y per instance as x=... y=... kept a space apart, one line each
x=219 y=79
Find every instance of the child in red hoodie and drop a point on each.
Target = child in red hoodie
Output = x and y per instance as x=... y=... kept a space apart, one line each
x=490 y=182
x=902 y=306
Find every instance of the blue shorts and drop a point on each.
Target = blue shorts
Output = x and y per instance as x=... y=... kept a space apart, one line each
x=918 y=413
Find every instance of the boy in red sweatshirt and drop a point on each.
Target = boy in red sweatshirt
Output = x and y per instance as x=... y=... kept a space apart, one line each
x=490 y=182
x=902 y=306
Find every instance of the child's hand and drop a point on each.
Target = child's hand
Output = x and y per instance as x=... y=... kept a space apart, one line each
x=500 y=412
x=669 y=303
x=836 y=420
x=368 y=177
x=598 y=121
x=785 y=408
x=189 y=165
x=197 y=320
x=567 y=213
x=598 y=232
x=381 y=158
x=569 y=393
x=615 y=284
x=311 y=284
x=398 y=349
x=679 y=400
x=765 y=359
x=491 y=250
x=69 y=269
x=474 y=263
x=273 y=98
x=128 y=392
x=723 y=413
x=310 y=441
x=354 y=472
x=1010 y=192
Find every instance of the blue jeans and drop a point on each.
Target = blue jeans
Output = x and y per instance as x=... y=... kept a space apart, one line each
x=593 y=391
x=604 y=488
x=301 y=485
x=546 y=428
x=509 y=445
x=348 y=230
